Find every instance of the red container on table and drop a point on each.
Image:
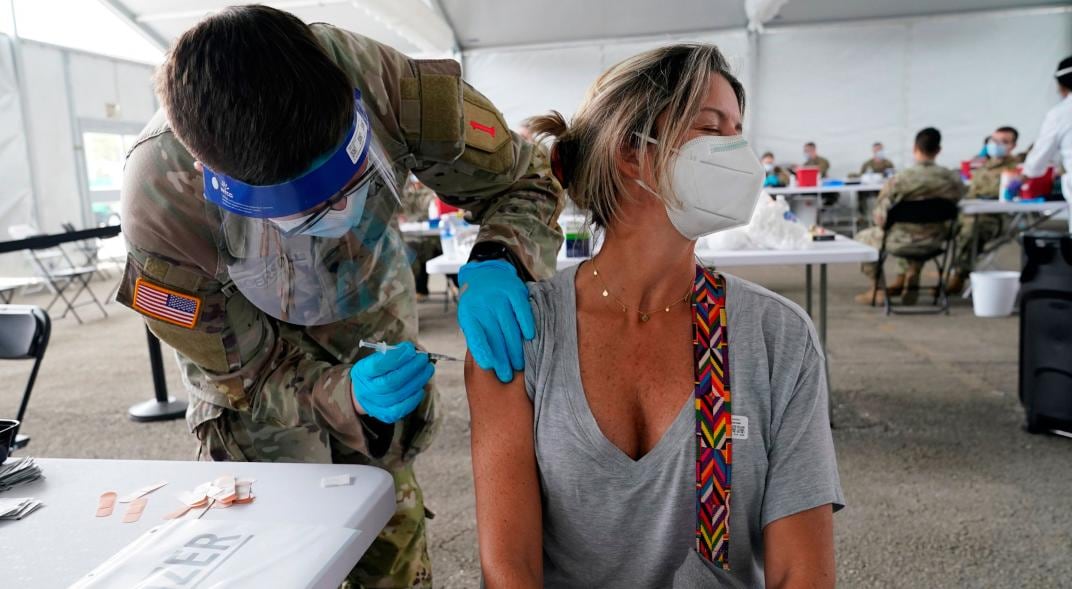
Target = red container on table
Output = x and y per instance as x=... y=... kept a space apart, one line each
x=807 y=176
x=965 y=169
x=1038 y=186
x=444 y=208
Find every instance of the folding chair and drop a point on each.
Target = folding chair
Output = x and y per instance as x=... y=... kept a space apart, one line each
x=89 y=249
x=60 y=274
x=24 y=332
x=932 y=210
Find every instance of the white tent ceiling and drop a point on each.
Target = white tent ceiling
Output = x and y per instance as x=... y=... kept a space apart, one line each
x=441 y=26
x=412 y=26
x=490 y=23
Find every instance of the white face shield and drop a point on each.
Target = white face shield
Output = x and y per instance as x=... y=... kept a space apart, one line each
x=300 y=250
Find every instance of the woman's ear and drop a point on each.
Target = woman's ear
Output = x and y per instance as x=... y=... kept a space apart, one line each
x=628 y=162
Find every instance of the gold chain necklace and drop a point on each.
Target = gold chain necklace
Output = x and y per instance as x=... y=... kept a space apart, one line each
x=644 y=315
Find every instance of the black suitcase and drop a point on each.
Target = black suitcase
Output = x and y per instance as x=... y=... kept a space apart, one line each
x=1046 y=331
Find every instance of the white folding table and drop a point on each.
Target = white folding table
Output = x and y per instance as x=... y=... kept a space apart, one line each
x=58 y=544
x=853 y=190
x=842 y=250
x=1016 y=210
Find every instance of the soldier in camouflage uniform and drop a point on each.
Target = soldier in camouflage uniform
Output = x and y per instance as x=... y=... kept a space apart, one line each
x=877 y=163
x=265 y=389
x=925 y=180
x=415 y=201
x=814 y=160
x=978 y=231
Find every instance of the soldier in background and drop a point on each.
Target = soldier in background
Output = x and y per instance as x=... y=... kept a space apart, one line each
x=416 y=197
x=775 y=174
x=259 y=210
x=877 y=163
x=813 y=159
x=978 y=231
x=924 y=180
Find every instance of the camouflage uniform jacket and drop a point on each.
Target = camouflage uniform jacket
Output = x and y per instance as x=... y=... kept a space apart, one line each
x=428 y=121
x=878 y=167
x=819 y=162
x=987 y=179
x=925 y=180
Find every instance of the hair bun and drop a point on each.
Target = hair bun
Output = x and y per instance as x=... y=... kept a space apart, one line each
x=564 y=161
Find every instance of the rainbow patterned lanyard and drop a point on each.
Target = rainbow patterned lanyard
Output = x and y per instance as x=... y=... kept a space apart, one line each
x=714 y=446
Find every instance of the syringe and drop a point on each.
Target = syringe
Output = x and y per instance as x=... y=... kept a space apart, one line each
x=382 y=347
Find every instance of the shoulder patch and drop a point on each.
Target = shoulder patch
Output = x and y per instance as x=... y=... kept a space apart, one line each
x=165 y=304
x=484 y=126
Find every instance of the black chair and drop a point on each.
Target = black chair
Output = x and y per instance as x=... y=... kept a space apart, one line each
x=939 y=211
x=24 y=332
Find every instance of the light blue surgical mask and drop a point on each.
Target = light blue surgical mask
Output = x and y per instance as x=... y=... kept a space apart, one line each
x=330 y=224
x=995 y=149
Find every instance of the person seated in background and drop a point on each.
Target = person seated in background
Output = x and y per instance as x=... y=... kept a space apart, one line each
x=416 y=199
x=924 y=180
x=813 y=159
x=775 y=174
x=610 y=463
x=985 y=183
x=877 y=163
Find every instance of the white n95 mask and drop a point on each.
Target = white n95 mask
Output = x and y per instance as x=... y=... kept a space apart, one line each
x=717 y=181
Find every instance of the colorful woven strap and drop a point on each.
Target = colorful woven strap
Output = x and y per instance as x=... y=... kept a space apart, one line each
x=714 y=446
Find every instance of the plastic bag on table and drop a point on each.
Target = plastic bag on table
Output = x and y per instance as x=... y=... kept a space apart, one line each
x=773 y=226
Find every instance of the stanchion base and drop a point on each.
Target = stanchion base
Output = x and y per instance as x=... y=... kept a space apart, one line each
x=154 y=410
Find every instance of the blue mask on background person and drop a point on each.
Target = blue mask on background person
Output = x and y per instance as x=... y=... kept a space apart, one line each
x=995 y=149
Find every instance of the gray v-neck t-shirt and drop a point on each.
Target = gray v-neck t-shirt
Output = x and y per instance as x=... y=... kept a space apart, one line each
x=611 y=521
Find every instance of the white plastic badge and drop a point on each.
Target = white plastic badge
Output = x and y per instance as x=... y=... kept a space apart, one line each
x=740 y=427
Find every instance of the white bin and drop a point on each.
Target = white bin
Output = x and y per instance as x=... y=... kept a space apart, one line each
x=994 y=293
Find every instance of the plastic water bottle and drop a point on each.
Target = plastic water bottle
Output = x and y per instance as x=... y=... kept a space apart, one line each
x=446 y=236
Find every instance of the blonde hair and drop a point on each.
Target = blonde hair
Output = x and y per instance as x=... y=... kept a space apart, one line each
x=621 y=104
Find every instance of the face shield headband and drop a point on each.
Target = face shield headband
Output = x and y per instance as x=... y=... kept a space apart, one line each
x=300 y=194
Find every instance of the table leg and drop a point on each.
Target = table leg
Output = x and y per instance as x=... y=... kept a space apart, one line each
x=807 y=289
x=162 y=407
x=822 y=342
x=822 y=305
x=974 y=244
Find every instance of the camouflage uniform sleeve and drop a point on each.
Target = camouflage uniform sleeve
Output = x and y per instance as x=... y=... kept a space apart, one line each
x=458 y=144
x=499 y=179
x=232 y=356
x=462 y=149
x=887 y=197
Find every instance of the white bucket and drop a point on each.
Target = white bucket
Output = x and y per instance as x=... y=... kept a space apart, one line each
x=994 y=293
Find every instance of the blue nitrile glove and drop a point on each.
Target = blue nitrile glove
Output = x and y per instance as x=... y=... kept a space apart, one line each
x=494 y=314
x=389 y=386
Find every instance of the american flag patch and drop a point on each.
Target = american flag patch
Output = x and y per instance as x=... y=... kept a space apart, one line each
x=166 y=305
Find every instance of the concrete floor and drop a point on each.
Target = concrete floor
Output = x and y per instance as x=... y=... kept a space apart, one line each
x=944 y=488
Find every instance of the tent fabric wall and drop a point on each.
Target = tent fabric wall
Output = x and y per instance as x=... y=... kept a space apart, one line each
x=847 y=86
x=58 y=199
x=841 y=85
x=527 y=81
x=56 y=147
x=16 y=192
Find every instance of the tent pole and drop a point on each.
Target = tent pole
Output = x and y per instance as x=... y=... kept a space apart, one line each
x=24 y=111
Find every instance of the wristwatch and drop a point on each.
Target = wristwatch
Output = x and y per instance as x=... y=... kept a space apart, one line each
x=490 y=250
